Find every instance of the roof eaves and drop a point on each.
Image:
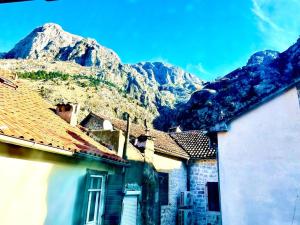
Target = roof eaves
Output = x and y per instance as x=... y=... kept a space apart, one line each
x=42 y=147
x=33 y=145
x=202 y=158
x=263 y=101
x=102 y=159
x=189 y=155
x=171 y=153
x=187 y=152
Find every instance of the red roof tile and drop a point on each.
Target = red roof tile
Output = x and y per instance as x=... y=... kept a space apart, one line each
x=195 y=143
x=163 y=143
x=25 y=115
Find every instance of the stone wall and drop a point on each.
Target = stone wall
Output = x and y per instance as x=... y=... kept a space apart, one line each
x=177 y=183
x=201 y=172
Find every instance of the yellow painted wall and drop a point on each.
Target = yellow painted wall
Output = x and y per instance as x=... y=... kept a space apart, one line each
x=134 y=154
x=42 y=188
x=166 y=164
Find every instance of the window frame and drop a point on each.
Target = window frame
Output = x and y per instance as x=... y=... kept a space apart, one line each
x=100 y=198
x=168 y=188
x=217 y=207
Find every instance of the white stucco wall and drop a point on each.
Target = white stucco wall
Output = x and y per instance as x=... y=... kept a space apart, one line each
x=259 y=162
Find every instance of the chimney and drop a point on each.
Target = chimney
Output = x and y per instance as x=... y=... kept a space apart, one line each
x=16 y=77
x=68 y=112
x=174 y=129
x=145 y=143
x=127 y=136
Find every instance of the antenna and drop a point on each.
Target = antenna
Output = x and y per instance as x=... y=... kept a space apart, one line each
x=146 y=127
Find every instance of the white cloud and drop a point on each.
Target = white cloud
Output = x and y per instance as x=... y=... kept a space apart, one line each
x=259 y=12
x=278 y=22
x=197 y=69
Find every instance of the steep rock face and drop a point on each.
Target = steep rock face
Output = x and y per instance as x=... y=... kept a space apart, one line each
x=87 y=52
x=156 y=86
x=167 y=78
x=51 y=42
x=262 y=58
x=43 y=42
x=165 y=74
x=226 y=98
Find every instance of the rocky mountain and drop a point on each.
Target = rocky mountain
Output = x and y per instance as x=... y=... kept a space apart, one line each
x=220 y=101
x=51 y=42
x=152 y=85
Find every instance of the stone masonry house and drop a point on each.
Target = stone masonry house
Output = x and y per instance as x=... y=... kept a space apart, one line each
x=51 y=172
x=202 y=175
x=167 y=161
x=180 y=161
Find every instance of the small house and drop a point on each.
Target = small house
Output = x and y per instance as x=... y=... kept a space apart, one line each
x=202 y=173
x=51 y=172
x=166 y=167
x=259 y=159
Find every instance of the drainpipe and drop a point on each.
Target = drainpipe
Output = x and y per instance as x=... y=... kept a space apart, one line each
x=127 y=137
x=219 y=182
x=188 y=179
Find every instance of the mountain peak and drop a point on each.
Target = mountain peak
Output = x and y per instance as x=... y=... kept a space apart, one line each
x=267 y=74
x=165 y=73
x=262 y=57
x=51 y=42
x=51 y=26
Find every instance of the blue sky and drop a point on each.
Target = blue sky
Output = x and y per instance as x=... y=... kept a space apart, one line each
x=208 y=38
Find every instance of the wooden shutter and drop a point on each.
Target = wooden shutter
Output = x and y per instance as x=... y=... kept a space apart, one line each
x=113 y=200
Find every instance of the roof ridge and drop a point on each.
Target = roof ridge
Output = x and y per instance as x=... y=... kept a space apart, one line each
x=163 y=140
x=8 y=82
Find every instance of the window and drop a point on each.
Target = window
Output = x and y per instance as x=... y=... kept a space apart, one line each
x=94 y=197
x=213 y=196
x=163 y=188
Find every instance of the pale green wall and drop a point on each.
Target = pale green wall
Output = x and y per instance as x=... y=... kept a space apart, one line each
x=42 y=188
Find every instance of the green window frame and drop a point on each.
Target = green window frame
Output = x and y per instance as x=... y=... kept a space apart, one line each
x=94 y=198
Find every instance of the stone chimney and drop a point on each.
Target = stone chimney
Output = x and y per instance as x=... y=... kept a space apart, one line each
x=113 y=139
x=176 y=129
x=69 y=112
x=146 y=144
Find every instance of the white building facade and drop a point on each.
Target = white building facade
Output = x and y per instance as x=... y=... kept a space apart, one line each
x=259 y=164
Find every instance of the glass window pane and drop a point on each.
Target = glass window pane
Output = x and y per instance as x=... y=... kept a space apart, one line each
x=96 y=182
x=92 y=206
x=97 y=205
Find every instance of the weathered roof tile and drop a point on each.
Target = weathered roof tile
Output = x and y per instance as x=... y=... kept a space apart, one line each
x=195 y=143
x=24 y=114
x=163 y=143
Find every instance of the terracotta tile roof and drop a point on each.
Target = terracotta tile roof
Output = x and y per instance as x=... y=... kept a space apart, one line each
x=195 y=143
x=163 y=143
x=25 y=115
